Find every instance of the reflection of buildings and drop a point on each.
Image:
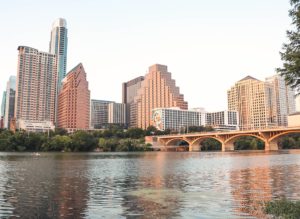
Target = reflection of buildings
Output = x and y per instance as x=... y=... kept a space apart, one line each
x=46 y=187
x=262 y=181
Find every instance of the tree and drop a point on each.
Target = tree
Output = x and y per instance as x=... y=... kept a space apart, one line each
x=290 y=54
x=83 y=141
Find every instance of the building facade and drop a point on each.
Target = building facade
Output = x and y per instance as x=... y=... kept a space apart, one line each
x=176 y=119
x=3 y=104
x=117 y=113
x=74 y=101
x=158 y=90
x=129 y=91
x=223 y=120
x=35 y=85
x=283 y=99
x=35 y=126
x=59 y=46
x=99 y=113
x=10 y=101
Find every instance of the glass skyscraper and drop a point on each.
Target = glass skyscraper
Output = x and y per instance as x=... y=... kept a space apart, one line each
x=58 y=46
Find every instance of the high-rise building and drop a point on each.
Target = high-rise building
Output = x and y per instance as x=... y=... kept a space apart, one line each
x=129 y=91
x=35 y=85
x=253 y=100
x=158 y=90
x=58 y=46
x=283 y=99
x=3 y=104
x=99 y=113
x=74 y=101
x=117 y=113
x=10 y=101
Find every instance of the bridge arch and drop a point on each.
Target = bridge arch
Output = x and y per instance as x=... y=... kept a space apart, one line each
x=196 y=144
x=173 y=140
x=275 y=137
x=229 y=143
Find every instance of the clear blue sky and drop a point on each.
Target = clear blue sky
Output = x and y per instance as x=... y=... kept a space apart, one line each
x=207 y=45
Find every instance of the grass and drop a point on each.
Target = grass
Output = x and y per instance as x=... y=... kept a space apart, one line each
x=283 y=208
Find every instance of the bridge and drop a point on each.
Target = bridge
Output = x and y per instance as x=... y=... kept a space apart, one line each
x=269 y=136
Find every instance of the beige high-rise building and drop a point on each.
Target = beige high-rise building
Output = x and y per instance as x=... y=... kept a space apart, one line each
x=158 y=90
x=74 y=101
x=35 y=85
x=253 y=100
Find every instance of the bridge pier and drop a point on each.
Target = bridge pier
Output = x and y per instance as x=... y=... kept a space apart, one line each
x=194 y=148
x=229 y=146
x=271 y=146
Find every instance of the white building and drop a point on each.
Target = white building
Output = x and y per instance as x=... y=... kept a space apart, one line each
x=177 y=119
x=117 y=113
x=35 y=126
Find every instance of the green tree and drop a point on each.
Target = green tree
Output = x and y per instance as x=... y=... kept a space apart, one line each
x=290 y=54
x=58 y=143
x=83 y=141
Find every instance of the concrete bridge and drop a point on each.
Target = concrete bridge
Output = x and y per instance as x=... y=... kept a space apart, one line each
x=268 y=136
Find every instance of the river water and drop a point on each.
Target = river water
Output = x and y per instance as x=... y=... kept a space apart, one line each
x=146 y=185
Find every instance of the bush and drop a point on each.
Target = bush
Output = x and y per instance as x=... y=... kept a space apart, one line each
x=283 y=209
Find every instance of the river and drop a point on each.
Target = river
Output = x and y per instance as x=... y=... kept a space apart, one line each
x=146 y=185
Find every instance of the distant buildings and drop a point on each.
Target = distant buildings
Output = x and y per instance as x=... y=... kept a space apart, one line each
x=129 y=91
x=99 y=113
x=157 y=90
x=176 y=119
x=59 y=46
x=35 y=85
x=74 y=101
x=117 y=113
x=10 y=101
x=261 y=104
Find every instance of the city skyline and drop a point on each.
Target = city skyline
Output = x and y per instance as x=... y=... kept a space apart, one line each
x=196 y=40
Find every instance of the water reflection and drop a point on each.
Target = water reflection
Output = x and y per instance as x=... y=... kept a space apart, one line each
x=145 y=185
x=42 y=187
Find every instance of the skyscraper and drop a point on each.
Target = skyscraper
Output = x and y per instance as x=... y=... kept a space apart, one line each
x=283 y=99
x=129 y=91
x=253 y=100
x=58 y=46
x=158 y=90
x=35 y=85
x=3 y=104
x=74 y=101
x=10 y=101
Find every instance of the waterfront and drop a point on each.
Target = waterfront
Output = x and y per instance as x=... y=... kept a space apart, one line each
x=146 y=185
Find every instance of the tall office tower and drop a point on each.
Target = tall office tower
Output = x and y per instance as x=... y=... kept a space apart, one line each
x=253 y=100
x=58 y=46
x=129 y=91
x=117 y=113
x=158 y=90
x=3 y=104
x=35 y=85
x=283 y=98
x=74 y=101
x=99 y=113
x=10 y=101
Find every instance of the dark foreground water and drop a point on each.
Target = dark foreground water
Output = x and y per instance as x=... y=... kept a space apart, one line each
x=145 y=185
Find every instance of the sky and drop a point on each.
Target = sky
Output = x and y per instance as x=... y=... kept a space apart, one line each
x=207 y=45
